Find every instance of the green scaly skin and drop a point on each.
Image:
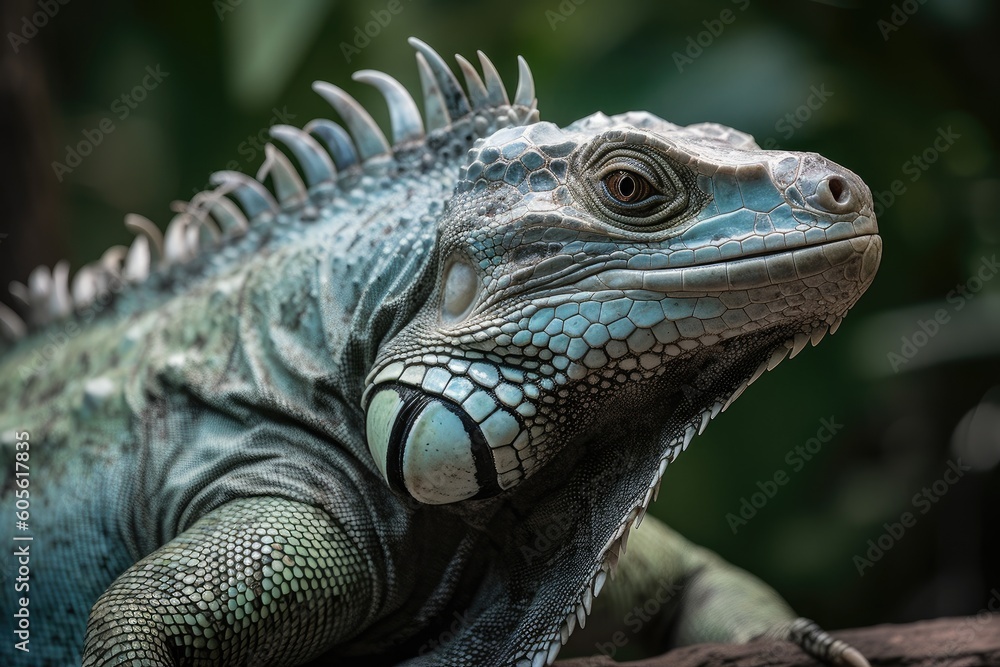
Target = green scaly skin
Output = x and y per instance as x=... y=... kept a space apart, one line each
x=335 y=433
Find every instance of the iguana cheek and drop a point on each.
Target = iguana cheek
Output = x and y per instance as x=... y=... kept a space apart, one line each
x=429 y=448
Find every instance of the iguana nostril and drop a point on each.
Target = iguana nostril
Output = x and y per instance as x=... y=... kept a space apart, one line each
x=834 y=193
x=839 y=190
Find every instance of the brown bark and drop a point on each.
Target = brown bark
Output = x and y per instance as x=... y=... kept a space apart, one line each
x=956 y=642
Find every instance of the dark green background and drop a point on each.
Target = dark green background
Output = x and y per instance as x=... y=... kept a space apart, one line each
x=232 y=64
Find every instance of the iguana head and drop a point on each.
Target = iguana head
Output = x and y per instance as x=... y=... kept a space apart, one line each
x=620 y=270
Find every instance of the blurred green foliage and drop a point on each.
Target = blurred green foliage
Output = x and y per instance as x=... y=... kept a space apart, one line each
x=867 y=84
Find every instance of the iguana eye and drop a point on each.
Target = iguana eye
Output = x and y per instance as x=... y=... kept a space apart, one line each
x=631 y=189
x=636 y=187
x=627 y=187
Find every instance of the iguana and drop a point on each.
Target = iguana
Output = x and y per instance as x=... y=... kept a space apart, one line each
x=327 y=420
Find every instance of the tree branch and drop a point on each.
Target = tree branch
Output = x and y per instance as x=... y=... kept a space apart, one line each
x=972 y=641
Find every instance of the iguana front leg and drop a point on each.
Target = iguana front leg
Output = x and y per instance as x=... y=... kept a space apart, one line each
x=259 y=581
x=671 y=590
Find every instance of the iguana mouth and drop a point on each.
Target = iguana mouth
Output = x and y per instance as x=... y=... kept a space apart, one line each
x=786 y=250
x=763 y=269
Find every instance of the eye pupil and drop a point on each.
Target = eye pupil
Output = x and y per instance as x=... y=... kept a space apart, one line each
x=627 y=187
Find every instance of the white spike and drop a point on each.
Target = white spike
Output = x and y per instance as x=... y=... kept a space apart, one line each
x=539 y=659
x=143 y=226
x=656 y=490
x=757 y=373
x=454 y=97
x=716 y=409
x=736 y=394
x=571 y=621
x=642 y=510
x=798 y=344
x=403 y=113
x=599 y=581
x=494 y=84
x=525 y=95
x=564 y=633
x=192 y=239
x=288 y=186
x=478 y=96
x=817 y=335
x=663 y=468
x=175 y=248
x=588 y=598
x=777 y=357
x=581 y=616
x=435 y=108
x=84 y=288
x=366 y=133
x=612 y=559
x=39 y=287
x=705 y=417
x=688 y=436
x=553 y=651
x=317 y=165
x=11 y=324
x=252 y=196
x=111 y=262
x=229 y=216
x=337 y=141
x=137 y=261
x=835 y=325
x=60 y=302
x=20 y=292
x=197 y=222
x=648 y=498
x=628 y=527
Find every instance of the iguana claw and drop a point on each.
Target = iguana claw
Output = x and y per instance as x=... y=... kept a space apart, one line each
x=818 y=643
x=852 y=656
